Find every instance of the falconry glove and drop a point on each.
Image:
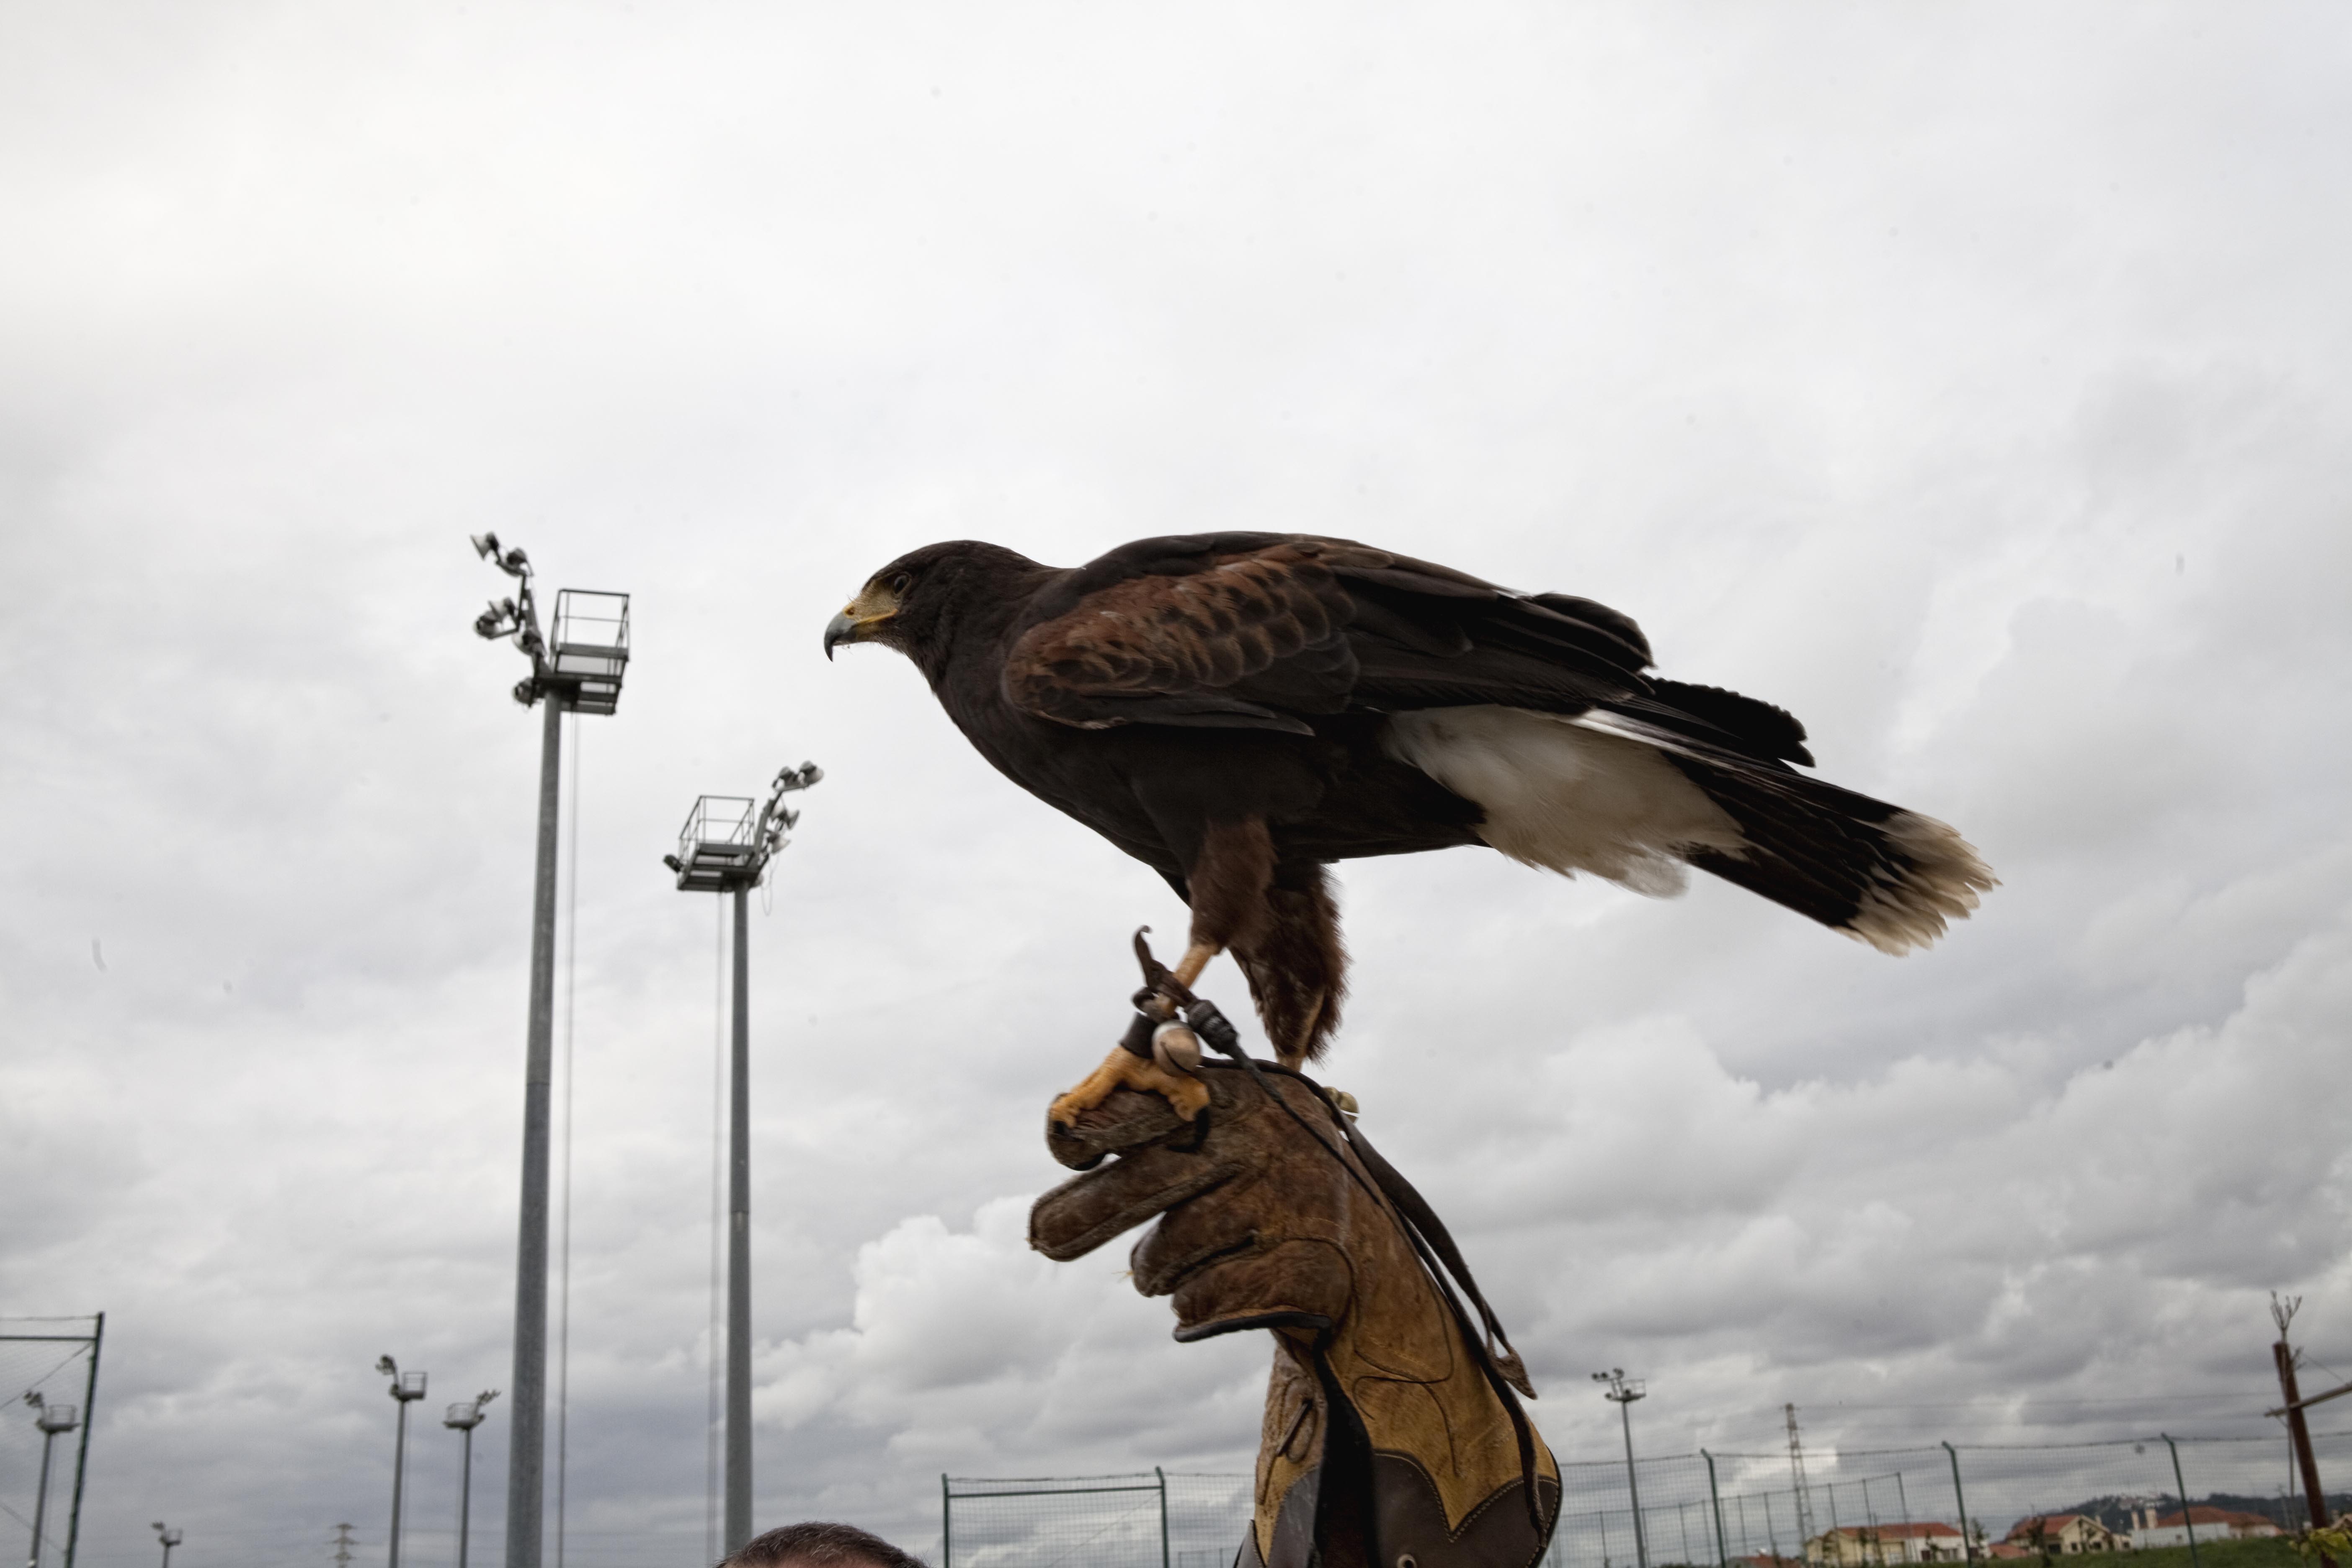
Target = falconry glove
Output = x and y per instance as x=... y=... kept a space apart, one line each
x=1393 y=1438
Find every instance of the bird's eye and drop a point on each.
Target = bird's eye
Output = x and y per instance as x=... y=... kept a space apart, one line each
x=899 y=582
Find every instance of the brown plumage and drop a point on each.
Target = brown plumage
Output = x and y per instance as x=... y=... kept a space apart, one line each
x=1239 y=709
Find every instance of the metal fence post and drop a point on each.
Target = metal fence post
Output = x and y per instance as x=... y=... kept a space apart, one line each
x=2187 y=1522
x=947 y=1523
x=81 y=1452
x=1163 y=1514
x=1722 y=1550
x=1968 y=1541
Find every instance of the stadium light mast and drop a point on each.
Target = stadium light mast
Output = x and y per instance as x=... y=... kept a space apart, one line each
x=578 y=671
x=464 y=1416
x=724 y=847
x=52 y=1420
x=170 y=1535
x=1622 y=1392
x=407 y=1387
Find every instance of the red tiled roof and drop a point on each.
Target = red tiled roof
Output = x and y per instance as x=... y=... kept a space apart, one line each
x=2199 y=1513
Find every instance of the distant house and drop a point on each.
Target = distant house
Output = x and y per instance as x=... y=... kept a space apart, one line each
x=2061 y=1534
x=2212 y=1524
x=1869 y=1545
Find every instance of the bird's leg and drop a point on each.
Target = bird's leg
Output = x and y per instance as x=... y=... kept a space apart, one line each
x=1196 y=958
x=1229 y=877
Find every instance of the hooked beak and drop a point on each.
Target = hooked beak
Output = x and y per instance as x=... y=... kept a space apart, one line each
x=860 y=617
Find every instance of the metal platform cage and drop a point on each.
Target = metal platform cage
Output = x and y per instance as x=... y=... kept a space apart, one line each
x=714 y=849
x=590 y=650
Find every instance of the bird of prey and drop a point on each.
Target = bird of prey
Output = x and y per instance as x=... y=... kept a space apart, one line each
x=1237 y=711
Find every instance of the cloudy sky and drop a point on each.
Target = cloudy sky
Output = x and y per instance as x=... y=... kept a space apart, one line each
x=1969 y=379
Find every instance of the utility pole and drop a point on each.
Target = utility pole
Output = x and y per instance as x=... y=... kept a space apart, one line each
x=464 y=1416
x=407 y=1387
x=725 y=848
x=2298 y=1430
x=1797 y=1474
x=1623 y=1392
x=52 y=1419
x=578 y=671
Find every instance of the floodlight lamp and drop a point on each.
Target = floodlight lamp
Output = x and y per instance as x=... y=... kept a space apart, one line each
x=502 y=619
x=513 y=563
x=384 y=1364
x=673 y=862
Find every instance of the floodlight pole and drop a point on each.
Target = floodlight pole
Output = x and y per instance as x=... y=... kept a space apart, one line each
x=739 y=1239
x=527 y=1439
x=590 y=682
x=463 y=1419
x=736 y=866
x=1622 y=1394
x=407 y=1387
x=51 y=1419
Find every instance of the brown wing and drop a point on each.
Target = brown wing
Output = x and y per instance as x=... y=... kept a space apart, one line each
x=1226 y=630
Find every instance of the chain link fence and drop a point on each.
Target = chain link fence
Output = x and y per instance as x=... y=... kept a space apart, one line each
x=1870 y=1507
x=1879 y=1507
x=1152 y=1519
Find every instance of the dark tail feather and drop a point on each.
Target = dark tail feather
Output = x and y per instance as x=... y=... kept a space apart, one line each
x=1882 y=875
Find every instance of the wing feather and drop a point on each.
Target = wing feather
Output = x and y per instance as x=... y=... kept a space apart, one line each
x=1183 y=642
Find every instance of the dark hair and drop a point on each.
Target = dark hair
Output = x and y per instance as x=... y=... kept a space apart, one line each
x=817 y=1544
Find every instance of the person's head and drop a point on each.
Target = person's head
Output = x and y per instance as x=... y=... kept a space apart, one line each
x=817 y=1544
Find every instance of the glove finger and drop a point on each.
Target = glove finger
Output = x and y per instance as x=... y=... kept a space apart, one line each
x=1188 y=1236
x=1302 y=1282
x=1086 y=1211
x=1127 y=1117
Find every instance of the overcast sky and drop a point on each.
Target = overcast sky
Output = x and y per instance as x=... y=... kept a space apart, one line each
x=1967 y=379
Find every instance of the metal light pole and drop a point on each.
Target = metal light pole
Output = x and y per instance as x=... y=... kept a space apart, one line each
x=1623 y=1392
x=463 y=1417
x=724 y=848
x=170 y=1535
x=51 y=1419
x=407 y=1387
x=578 y=671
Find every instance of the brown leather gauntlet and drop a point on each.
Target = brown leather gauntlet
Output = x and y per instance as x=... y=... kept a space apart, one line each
x=1391 y=1437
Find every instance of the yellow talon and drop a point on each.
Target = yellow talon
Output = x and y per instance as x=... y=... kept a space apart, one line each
x=1124 y=1069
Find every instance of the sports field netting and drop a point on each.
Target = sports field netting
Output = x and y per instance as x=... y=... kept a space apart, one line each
x=47 y=1377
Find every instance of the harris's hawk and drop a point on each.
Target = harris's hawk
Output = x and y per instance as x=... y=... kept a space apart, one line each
x=1237 y=711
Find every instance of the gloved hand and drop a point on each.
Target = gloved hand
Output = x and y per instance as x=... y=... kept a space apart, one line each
x=1392 y=1438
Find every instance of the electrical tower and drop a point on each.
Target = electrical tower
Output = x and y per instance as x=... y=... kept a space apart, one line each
x=1797 y=1479
x=342 y=1546
x=724 y=848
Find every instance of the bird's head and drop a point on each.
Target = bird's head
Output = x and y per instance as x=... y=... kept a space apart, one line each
x=915 y=603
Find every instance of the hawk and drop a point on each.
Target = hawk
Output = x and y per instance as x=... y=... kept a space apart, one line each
x=1238 y=711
